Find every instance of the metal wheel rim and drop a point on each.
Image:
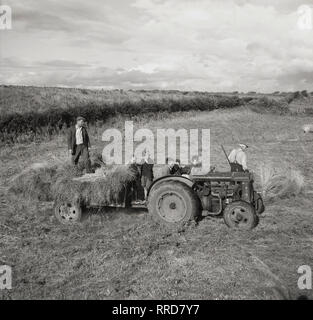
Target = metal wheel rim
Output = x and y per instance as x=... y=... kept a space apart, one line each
x=240 y=217
x=172 y=207
x=68 y=212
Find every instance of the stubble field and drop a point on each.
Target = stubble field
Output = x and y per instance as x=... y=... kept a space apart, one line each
x=114 y=254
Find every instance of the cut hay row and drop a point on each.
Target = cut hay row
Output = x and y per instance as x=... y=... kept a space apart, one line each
x=34 y=183
x=280 y=182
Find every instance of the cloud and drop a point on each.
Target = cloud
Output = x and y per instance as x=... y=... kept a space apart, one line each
x=177 y=44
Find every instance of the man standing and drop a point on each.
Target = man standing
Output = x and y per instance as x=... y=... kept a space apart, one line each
x=78 y=143
x=146 y=172
x=238 y=159
x=137 y=190
x=176 y=168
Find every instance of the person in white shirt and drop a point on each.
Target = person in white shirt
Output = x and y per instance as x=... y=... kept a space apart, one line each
x=79 y=143
x=238 y=158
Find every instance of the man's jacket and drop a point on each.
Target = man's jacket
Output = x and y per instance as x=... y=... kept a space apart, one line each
x=72 y=138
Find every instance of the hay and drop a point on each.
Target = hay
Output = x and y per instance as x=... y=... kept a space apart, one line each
x=280 y=182
x=96 y=159
x=49 y=181
x=34 y=183
x=307 y=128
x=102 y=188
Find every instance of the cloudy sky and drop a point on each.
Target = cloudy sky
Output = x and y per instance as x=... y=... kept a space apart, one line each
x=210 y=45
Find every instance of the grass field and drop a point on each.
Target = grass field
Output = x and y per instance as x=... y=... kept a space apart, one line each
x=22 y=99
x=115 y=254
x=31 y=114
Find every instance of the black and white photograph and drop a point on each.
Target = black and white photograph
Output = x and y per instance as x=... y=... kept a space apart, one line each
x=156 y=150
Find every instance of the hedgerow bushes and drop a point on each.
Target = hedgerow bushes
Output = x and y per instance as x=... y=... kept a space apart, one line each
x=32 y=125
x=266 y=105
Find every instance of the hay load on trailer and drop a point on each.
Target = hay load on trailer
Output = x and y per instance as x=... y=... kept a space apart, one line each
x=109 y=188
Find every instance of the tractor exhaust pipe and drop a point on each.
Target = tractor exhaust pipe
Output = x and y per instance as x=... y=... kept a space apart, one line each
x=225 y=154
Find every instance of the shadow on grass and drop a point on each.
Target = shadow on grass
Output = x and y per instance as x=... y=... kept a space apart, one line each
x=111 y=213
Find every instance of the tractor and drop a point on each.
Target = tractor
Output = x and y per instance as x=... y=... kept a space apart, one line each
x=175 y=200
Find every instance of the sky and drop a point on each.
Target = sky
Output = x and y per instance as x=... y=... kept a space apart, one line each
x=203 y=45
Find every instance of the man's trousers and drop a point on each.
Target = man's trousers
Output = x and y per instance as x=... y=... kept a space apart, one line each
x=82 y=153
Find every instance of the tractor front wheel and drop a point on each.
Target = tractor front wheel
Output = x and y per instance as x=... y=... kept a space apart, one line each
x=240 y=215
x=258 y=203
x=172 y=204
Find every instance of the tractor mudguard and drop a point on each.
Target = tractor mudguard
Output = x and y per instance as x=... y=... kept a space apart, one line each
x=184 y=180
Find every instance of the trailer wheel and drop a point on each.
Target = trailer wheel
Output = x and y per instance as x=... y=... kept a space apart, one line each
x=172 y=203
x=240 y=215
x=68 y=212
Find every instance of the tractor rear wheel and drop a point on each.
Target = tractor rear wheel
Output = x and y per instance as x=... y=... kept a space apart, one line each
x=68 y=212
x=172 y=204
x=240 y=215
